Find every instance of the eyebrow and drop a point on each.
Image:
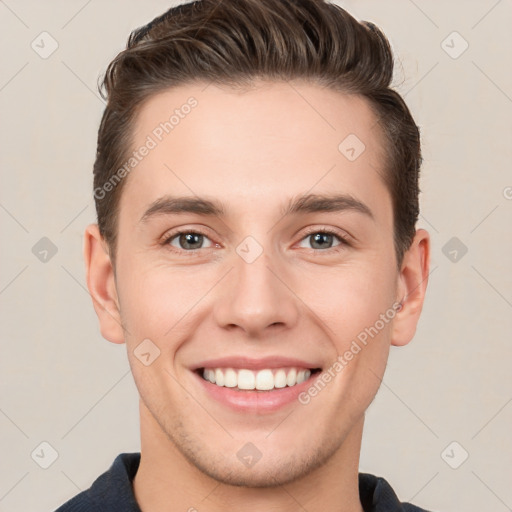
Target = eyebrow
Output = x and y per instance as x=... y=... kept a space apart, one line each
x=168 y=205
x=309 y=203
x=312 y=203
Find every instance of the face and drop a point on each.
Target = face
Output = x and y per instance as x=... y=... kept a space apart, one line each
x=275 y=260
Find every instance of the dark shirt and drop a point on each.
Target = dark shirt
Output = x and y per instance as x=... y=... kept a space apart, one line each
x=112 y=491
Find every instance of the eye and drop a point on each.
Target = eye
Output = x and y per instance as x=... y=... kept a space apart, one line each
x=322 y=239
x=190 y=241
x=186 y=240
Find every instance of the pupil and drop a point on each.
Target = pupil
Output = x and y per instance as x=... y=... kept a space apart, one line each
x=321 y=238
x=189 y=239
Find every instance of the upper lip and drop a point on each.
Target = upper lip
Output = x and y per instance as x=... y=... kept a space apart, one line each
x=255 y=363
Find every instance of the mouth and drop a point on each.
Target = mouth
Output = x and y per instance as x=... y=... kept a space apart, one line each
x=264 y=380
x=258 y=386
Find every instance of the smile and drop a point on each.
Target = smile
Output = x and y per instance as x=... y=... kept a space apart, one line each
x=262 y=380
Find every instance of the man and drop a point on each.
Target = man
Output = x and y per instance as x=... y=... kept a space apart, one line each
x=256 y=185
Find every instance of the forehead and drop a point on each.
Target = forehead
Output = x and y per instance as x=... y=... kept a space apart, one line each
x=257 y=145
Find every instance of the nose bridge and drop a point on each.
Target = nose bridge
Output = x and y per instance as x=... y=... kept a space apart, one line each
x=255 y=296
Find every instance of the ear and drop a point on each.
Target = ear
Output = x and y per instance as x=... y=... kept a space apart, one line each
x=101 y=284
x=412 y=285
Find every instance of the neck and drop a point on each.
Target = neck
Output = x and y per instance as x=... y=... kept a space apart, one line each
x=166 y=479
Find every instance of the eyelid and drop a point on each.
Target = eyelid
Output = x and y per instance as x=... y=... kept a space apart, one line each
x=173 y=233
x=327 y=229
x=344 y=238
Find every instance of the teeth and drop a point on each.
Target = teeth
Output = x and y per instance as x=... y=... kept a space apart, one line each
x=291 y=378
x=230 y=378
x=280 y=379
x=219 y=377
x=246 y=379
x=263 y=380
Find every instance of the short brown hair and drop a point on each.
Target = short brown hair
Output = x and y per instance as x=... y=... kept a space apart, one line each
x=235 y=42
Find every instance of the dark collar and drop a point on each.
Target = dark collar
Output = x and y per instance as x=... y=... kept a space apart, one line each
x=112 y=491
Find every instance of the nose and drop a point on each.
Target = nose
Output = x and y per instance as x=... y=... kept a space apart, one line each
x=257 y=297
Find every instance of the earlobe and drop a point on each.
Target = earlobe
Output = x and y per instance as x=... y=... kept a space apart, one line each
x=101 y=284
x=412 y=285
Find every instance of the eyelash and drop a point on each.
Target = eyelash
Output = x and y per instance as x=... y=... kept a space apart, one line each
x=313 y=231
x=329 y=231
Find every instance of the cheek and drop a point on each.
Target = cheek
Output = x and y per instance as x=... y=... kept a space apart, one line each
x=156 y=300
x=156 y=305
x=352 y=299
x=359 y=313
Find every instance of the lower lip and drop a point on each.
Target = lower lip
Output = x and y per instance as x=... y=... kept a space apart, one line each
x=253 y=400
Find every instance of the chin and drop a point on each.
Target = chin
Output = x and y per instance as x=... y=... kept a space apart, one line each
x=268 y=475
x=272 y=470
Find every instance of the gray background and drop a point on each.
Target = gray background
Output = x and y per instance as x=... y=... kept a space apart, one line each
x=61 y=383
